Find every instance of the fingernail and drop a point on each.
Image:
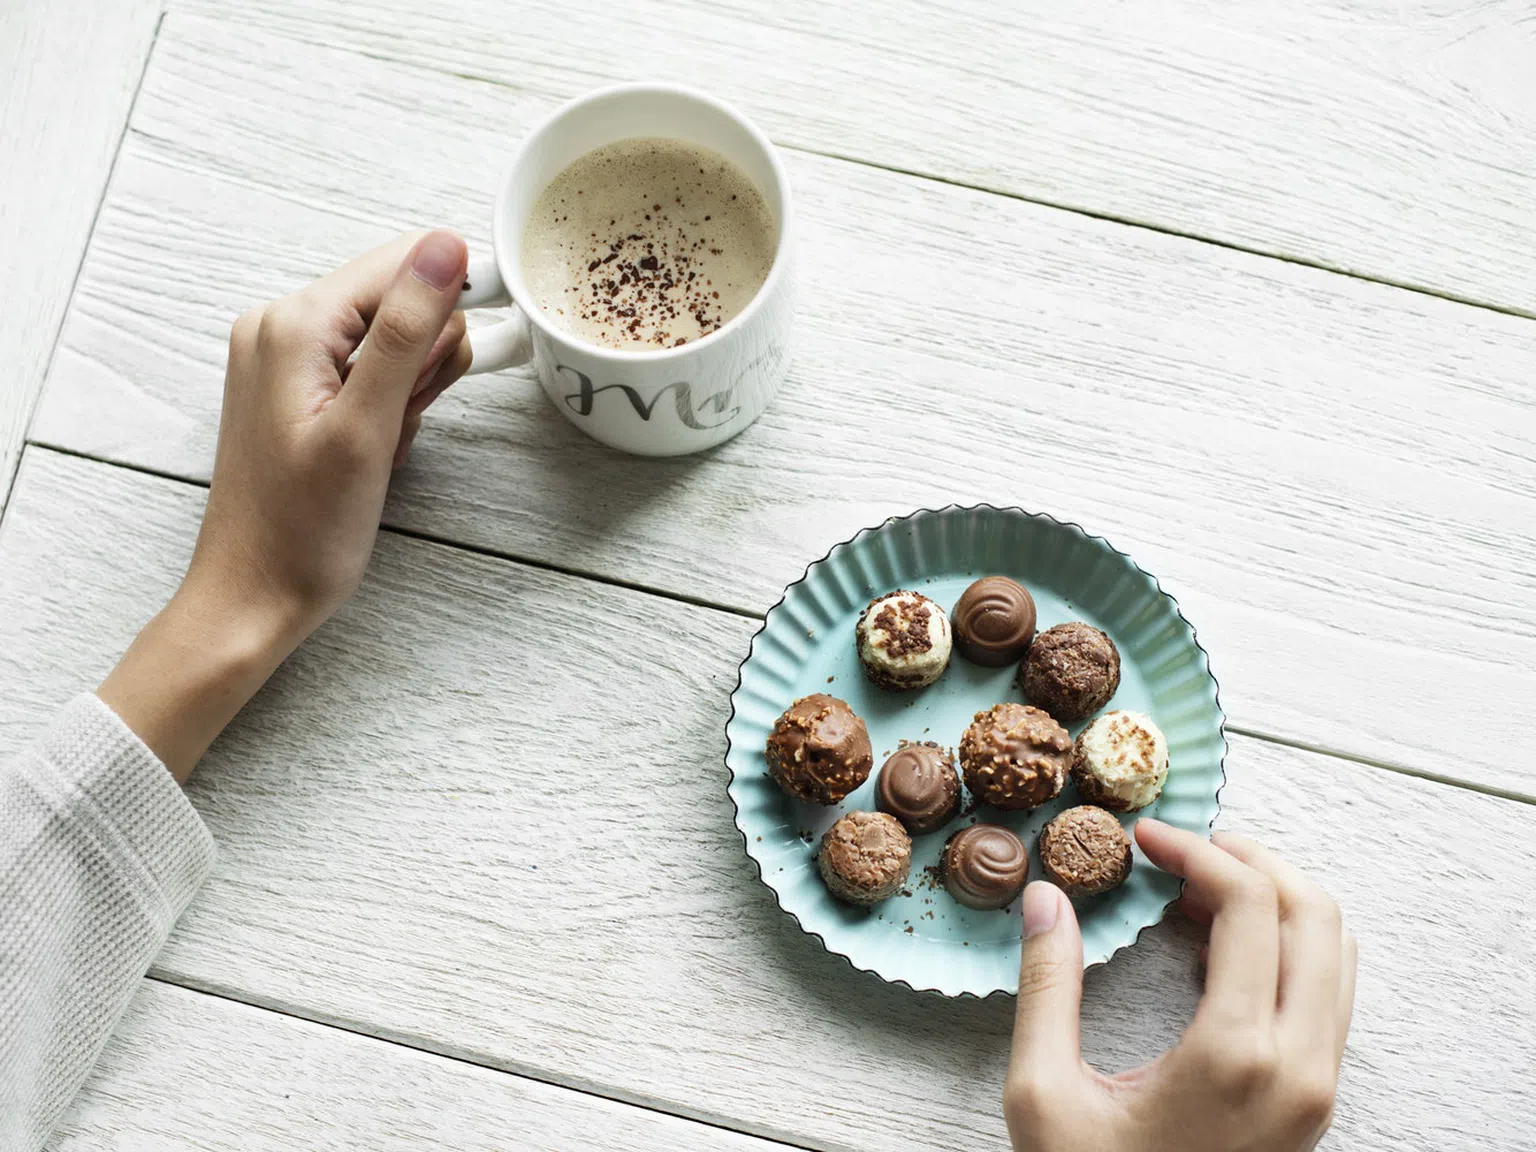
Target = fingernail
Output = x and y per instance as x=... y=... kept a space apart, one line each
x=1042 y=904
x=439 y=260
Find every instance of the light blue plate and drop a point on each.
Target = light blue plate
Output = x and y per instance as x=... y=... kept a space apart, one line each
x=926 y=940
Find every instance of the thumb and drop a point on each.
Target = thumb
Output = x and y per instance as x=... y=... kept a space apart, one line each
x=411 y=315
x=1045 y=1029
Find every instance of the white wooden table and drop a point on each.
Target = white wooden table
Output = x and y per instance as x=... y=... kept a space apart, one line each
x=1257 y=284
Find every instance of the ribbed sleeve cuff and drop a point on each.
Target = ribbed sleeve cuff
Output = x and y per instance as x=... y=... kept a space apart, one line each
x=135 y=810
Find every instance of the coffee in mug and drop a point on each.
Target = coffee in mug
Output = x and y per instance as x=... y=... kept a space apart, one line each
x=618 y=313
x=647 y=243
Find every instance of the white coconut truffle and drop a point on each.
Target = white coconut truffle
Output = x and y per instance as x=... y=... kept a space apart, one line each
x=1120 y=761
x=904 y=640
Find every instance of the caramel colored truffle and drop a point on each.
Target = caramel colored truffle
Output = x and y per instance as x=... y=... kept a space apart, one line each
x=1014 y=756
x=903 y=640
x=865 y=857
x=920 y=787
x=1120 y=761
x=1084 y=851
x=1071 y=671
x=819 y=750
x=994 y=621
x=984 y=866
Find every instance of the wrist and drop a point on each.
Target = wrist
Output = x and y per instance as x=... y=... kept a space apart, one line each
x=194 y=666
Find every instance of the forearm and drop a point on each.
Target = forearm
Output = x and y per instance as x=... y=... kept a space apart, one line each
x=99 y=854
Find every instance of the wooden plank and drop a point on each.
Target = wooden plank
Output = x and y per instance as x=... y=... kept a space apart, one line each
x=66 y=85
x=1337 y=479
x=464 y=818
x=186 y=1070
x=1383 y=138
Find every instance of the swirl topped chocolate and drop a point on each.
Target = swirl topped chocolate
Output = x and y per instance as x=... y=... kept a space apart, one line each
x=819 y=750
x=1015 y=756
x=920 y=787
x=994 y=621
x=984 y=866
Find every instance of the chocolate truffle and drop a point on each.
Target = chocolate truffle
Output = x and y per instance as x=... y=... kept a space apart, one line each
x=864 y=857
x=1015 y=756
x=903 y=640
x=1120 y=761
x=1071 y=671
x=920 y=787
x=819 y=750
x=994 y=621
x=984 y=866
x=1084 y=851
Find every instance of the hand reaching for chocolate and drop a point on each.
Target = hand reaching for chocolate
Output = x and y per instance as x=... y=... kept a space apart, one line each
x=1258 y=1066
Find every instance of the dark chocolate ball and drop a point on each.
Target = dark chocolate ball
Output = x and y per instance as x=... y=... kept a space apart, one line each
x=1084 y=851
x=984 y=866
x=994 y=621
x=819 y=750
x=920 y=787
x=1015 y=756
x=1071 y=671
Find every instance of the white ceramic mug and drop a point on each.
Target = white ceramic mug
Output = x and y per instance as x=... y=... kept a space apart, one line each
x=666 y=402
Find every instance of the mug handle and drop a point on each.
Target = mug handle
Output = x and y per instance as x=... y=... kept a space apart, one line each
x=496 y=346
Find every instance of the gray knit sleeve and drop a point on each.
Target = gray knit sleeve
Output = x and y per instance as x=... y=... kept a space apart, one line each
x=99 y=854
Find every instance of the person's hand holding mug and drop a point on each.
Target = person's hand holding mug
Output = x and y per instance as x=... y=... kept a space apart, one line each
x=314 y=417
x=1258 y=1067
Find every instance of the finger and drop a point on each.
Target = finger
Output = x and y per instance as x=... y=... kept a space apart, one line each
x=1311 y=934
x=1243 y=970
x=411 y=315
x=439 y=379
x=408 y=432
x=1045 y=1028
x=363 y=280
x=1344 y=1009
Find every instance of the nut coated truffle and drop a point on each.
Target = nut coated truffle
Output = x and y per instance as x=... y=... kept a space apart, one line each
x=1120 y=761
x=994 y=621
x=903 y=640
x=920 y=787
x=1071 y=671
x=819 y=750
x=864 y=857
x=1084 y=851
x=1015 y=756
x=984 y=866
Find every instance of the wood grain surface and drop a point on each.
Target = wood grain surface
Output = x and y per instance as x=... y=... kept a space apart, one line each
x=1336 y=478
x=195 y=1072
x=482 y=813
x=1388 y=137
x=66 y=85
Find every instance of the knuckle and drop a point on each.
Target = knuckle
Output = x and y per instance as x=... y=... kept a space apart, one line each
x=398 y=332
x=1258 y=890
x=242 y=333
x=1312 y=1101
x=279 y=321
x=1040 y=977
x=1025 y=1099
x=1242 y=1066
